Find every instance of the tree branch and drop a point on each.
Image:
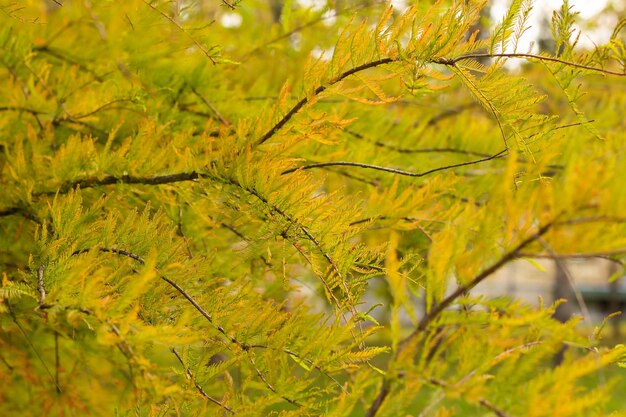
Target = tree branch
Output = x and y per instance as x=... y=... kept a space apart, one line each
x=123 y=179
x=400 y=149
x=320 y=89
x=207 y=103
x=392 y=170
x=580 y=255
x=452 y=61
x=198 y=386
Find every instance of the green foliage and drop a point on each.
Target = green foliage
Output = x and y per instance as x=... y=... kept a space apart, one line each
x=207 y=220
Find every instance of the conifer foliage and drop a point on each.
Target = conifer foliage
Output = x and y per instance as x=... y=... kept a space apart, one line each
x=200 y=219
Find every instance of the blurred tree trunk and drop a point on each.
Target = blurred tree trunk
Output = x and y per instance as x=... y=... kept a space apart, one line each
x=614 y=296
x=276 y=7
x=562 y=290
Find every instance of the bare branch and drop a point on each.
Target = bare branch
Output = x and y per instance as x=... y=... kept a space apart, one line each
x=400 y=149
x=32 y=346
x=393 y=170
x=57 y=362
x=102 y=107
x=488 y=405
x=62 y=57
x=21 y=109
x=406 y=219
x=451 y=62
x=270 y=386
x=211 y=107
x=563 y=267
x=578 y=255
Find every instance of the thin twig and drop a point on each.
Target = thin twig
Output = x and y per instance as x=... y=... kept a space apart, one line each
x=56 y=54
x=495 y=112
x=392 y=170
x=211 y=107
x=122 y=179
x=198 y=386
x=563 y=267
x=102 y=107
x=580 y=255
x=175 y=23
x=21 y=109
x=453 y=61
x=57 y=362
x=415 y=150
x=270 y=386
x=32 y=346
x=406 y=219
x=446 y=302
x=592 y=219
x=373 y=182
x=308 y=235
x=7 y=364
x=182 y=233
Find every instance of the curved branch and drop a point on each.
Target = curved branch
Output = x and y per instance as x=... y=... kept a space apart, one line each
x=392 y=170
x=123 y=179
x=102 y=107
x=451 y=62
x=400 y=149
x=21 y=109
x=320 y=89
x=583 y=255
